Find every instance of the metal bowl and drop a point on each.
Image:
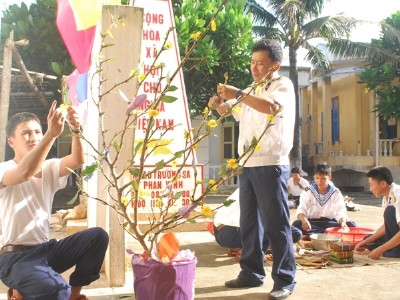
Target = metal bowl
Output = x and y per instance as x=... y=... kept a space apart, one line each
x=324 y=241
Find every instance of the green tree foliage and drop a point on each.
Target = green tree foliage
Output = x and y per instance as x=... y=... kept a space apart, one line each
x=383 y=76
x=46 y=51
x=225 y=50
x=297 y=23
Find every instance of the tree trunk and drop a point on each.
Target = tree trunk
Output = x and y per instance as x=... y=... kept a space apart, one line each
x=295 y=154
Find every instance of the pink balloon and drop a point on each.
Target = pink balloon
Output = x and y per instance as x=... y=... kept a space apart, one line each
x=79 y=43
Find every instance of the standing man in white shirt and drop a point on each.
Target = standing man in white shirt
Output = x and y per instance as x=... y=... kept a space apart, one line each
x=263 y=182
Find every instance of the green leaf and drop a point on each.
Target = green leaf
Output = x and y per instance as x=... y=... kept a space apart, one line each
x=72 y=201
x=159 y=165
x=169 y=99
x=172 y=88
x=228 y=202
x=90 y=169
x=177 y=195
x=56 y=68
x=116 y=145
x=134 y=171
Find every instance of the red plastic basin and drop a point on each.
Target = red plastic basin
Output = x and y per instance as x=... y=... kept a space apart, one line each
x=354 y=236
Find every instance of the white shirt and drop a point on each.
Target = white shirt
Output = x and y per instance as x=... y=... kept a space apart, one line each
x=393 y=199
x=229 y=215
x=296 y=190
x=277 y=142
x=25 y=208
x=330 y=205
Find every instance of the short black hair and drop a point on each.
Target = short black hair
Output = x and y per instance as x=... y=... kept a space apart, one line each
x=295 y=170
x=381 y=174
x=272 y=46
x=323 y=169
x=17 y=119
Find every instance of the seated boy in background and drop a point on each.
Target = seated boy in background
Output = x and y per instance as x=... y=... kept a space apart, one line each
x=386 y=239
x=321 y=205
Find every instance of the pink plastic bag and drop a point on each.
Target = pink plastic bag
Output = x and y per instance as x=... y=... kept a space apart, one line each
x=154 y=280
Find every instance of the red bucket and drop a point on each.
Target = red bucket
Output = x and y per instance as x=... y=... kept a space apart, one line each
x=354 y=236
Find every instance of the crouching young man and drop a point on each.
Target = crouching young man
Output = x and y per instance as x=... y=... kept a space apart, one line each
x=31 y=263
x=386 y=239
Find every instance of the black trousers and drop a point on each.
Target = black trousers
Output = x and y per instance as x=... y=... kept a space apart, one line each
x=35 y=273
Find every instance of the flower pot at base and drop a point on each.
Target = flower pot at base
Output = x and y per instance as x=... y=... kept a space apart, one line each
x=154 y=280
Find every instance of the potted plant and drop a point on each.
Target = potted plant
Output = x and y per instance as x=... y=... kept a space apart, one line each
x=123 y=179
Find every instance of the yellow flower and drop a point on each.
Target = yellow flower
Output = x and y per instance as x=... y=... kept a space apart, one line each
x=175 y=179
x=237 y=110
x=141 y=77
x=205 y=111
x=133 y=73
x=258 y=90
x=270 y=117
x=195 y=36
x=64 y=106
x=257 y=147
x=153 y=112
x=125 y=200
x=173 y=164
x=206 y=210
x=195 y=146
x=198 y=181
x=211 y=182
x=232 y=163
x=213 y=25
x=109 y=33
x=159 y=203
x=212 y=123
x=366 y=90
x=168 y=45
x=186 y=135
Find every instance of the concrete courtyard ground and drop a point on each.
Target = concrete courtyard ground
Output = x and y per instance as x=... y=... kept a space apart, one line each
x=380 y=280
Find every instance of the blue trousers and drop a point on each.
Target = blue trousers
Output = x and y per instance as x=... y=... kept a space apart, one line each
x=391 y=229
x=320 y=225
x=35 y=273
x=264 y=209
x=230 y=237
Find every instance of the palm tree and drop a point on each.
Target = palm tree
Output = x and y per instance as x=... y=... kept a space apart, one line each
x=297 y=23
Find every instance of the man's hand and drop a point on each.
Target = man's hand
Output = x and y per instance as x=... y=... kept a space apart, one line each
x=55 y=120
x=227 y=91
x=305 y=224
x=73 y=119
x=376 y=253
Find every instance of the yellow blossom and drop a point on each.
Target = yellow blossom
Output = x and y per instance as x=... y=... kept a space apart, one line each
x=366 y=90
x=211 y=182
x=195 y=146
x=125 y=200
x=271 y=117
x=257 y=147
x=237 y=110
x=195 y=36
x=213 y=25
x=64 y=106
x=168 y=45
x=258 y=90
x=205 y=111
x=133 y=73
x=109 y=33
x=232 y=163
x=198 y=181
x=159 y=203
x=186 y=135
x=212 y=123
x=141 y=77
x=153 y=112
x=173 y=164
x=206 y=210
